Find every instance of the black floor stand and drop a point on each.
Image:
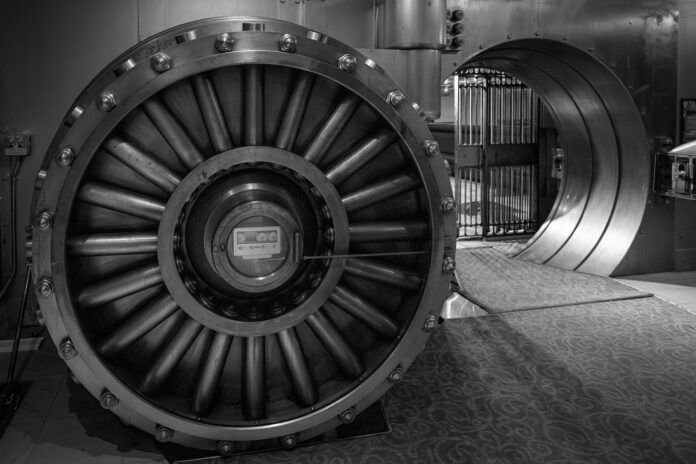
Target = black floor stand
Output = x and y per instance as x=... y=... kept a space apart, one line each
x=371 y=421
x=11 y=392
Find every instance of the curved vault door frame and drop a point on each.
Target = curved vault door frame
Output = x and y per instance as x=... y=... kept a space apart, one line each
x=213 y=130
x=603 y=195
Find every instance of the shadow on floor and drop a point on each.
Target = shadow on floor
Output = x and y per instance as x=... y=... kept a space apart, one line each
x=600 y=383
x=59 y=421
x=597 y=383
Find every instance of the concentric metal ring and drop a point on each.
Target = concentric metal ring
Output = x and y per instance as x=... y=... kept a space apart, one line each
x=103 y=253
x=170 y=219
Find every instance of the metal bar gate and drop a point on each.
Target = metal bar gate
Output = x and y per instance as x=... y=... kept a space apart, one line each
x=495 y=163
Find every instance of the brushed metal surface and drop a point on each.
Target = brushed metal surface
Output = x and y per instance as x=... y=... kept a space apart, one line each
x=608 y=72
x=418 y=73
x=156 y=374
x=412 y=24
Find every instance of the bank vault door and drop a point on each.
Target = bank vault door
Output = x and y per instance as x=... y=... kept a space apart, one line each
x=496 y=155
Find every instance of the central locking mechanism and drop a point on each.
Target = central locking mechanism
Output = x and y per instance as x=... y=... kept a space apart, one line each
x=239 y=231
x=256 y=246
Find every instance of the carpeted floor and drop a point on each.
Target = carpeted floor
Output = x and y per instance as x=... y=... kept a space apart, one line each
x=498 y=283
x=598 y=383
x=509 y=247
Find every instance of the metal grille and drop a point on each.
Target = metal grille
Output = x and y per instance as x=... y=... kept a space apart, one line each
x=470 y=214
x=512 y=110
x=494 y=198
x=511 y=201
x=473 y=98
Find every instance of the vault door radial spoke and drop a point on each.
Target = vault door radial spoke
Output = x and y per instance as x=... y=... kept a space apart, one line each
x=361 y=155
x=254 y=401
x=365 y=311
x=380 y=191
x=138 y=325
x=212 y=113
x=122 y=200
x=142 y=163
x=349 y=362
x=241 y=233
x=294 y=112
x=173 y=133
x=119 y=286
x=117 y=243
x=171 y=354
x=331 y=129
x=213 y=365
x=253 y=105
x=387 y=231
x=299 y=371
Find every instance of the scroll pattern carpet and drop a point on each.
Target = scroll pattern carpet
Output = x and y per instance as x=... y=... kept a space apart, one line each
x=498 y=283
x=598 y=383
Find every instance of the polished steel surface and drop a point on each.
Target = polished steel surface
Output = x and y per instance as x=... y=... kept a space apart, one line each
x=363 y=154
x=117 y=243
x=249 y=242
x=421 y=80
x=603 y=195
x=495 y=187
x=417 y=72
x=414 y=30
x=411 y=24
x=613 y=63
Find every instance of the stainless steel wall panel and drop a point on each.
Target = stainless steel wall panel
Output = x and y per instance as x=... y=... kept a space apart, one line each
x=637 y=43
x=412 y=24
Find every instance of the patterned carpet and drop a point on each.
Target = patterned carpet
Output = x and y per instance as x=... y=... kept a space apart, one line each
x=498 y=283
x=509 y=247
x=598 y=383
